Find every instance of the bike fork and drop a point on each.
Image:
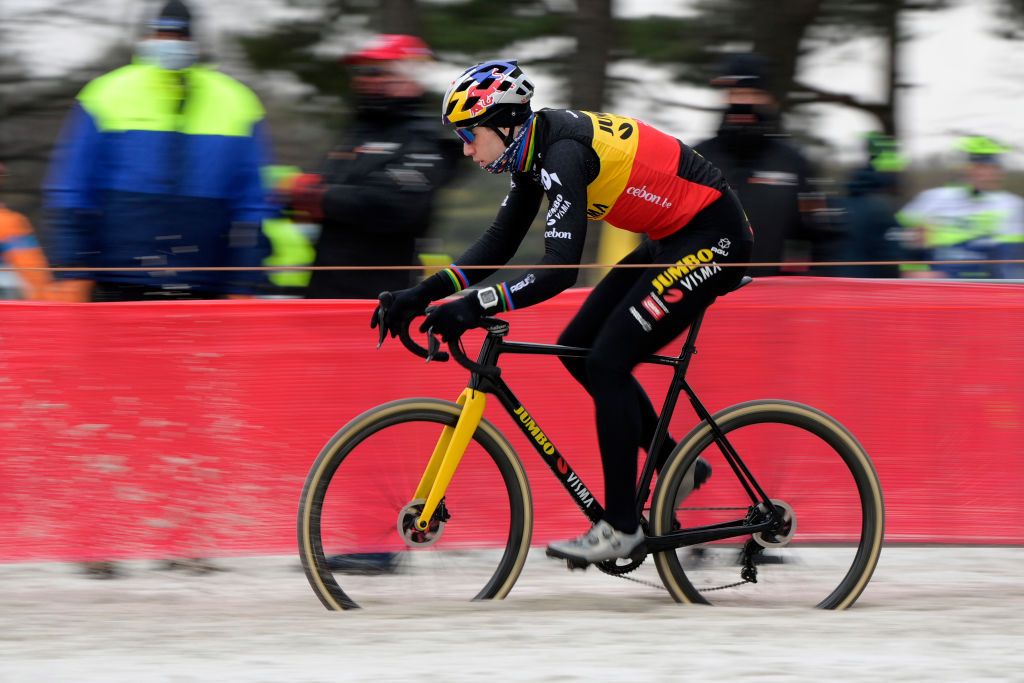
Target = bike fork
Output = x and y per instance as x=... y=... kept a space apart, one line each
x=448 y=452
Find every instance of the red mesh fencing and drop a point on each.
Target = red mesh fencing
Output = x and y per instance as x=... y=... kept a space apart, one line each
x=187 y=428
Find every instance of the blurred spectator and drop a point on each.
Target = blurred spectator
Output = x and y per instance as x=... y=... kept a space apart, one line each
x=975 y=220
x=772 y=178
x=20 y=250
x=376 y=195
x=291 y=241
x=159 y=166
x=872 y=232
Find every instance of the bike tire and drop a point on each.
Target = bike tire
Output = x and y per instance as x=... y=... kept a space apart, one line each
x=331 y=508
x=838 y=513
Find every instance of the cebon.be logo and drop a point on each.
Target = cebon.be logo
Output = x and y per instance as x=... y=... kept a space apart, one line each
x=647 y=196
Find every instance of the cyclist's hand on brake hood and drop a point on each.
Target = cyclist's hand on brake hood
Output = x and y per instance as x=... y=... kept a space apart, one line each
x=405 y=305
x=450 y=320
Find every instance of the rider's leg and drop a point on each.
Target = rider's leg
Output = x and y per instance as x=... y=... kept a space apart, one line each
x=658 y=307
x=583 y=329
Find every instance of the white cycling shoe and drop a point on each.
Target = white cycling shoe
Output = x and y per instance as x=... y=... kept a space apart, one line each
x=602 y=542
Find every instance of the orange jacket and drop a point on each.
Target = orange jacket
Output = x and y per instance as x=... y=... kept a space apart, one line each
x=20 y=250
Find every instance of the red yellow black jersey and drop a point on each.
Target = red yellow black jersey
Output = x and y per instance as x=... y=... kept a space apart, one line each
x=647 y=181
x=590 y=166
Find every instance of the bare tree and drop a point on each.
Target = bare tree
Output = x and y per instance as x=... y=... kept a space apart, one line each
x=594 y=32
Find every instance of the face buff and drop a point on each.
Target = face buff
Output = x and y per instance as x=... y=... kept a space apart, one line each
x=514 y=151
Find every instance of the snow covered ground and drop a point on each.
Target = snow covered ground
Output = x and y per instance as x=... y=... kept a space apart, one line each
x=937 y=614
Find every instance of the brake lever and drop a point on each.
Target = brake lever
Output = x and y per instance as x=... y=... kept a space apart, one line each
x=384 y=302
x=433 y=344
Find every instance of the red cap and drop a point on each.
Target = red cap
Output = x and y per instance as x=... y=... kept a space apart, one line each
x=388 y=47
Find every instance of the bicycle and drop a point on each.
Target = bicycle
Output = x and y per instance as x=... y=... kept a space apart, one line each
x=733 y=540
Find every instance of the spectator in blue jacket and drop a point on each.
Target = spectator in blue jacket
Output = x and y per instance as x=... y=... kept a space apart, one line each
x=158 y=166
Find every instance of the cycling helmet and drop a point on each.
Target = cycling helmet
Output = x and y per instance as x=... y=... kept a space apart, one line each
x=496 y=94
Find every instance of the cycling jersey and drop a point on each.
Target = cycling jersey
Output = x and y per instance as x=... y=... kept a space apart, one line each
x=591 y=166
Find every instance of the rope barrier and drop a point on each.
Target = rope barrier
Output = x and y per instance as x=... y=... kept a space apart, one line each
x=526 y=266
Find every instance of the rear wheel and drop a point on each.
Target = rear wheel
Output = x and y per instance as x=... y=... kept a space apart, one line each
x=825 y=492
x=357 y=540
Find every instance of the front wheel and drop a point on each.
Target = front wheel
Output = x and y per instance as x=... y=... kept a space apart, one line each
x=826 y=496
x=357 y=539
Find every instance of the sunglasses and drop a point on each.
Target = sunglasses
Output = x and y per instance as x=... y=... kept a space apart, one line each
x=466 y=135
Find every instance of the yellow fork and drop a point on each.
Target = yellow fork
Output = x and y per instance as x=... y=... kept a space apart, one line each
x=448 y=452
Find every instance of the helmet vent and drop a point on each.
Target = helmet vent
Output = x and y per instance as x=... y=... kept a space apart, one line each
x=463 y=86
x=470 y=101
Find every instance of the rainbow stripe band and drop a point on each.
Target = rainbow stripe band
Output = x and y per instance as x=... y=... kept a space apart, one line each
x=524 y=157
x=506 y=297
x=458 y=278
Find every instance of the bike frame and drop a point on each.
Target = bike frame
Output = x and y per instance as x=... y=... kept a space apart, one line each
x=453 y=441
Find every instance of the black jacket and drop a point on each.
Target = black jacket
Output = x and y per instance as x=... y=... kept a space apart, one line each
x=381 y=186
x=773 y=181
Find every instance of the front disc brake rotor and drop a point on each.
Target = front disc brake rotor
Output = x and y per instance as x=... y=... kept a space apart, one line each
x=416 y=538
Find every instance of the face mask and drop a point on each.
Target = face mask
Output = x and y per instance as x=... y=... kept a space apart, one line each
x=747 y=124
x=173 y=55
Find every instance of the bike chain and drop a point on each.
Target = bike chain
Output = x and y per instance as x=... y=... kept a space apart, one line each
x=621 y=572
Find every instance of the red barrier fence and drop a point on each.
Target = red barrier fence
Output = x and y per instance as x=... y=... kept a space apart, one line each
x=187 y=428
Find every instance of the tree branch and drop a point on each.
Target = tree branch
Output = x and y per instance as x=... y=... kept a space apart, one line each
x=806 y=94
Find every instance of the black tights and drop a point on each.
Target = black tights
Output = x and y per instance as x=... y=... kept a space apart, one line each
x=634 y=312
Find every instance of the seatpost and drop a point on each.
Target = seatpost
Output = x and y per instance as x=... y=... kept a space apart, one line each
x=690 y=345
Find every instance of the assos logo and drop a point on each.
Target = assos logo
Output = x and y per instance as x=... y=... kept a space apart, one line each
x=643 y=194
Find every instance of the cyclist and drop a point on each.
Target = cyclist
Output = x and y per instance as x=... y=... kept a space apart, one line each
x=590 y=166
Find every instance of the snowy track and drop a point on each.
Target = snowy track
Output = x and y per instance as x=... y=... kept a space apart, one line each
x=948 y=613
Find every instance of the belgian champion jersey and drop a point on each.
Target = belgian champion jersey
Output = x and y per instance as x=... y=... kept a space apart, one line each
x=591 y=166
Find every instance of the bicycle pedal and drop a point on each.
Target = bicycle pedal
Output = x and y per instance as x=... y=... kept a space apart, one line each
x=573 y=565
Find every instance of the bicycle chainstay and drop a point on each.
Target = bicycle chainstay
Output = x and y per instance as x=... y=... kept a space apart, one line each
x=748 y=573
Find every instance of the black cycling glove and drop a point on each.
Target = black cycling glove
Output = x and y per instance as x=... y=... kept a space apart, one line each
x=450 y=320
x=405 y=305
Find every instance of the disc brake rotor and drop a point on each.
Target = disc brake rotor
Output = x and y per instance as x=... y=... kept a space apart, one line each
x=784 y=534
x=416 y=538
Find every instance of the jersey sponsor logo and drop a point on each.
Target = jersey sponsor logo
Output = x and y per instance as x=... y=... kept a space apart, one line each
x=528 y=280
x=779 y=178
x=596 y=211
x=643 y=194
x=546 y=179
x=617 y=126
x=700 y=275
x=681 y=269
x=535 y=431
x=672 y=295
x=724 y=243
x=559 y=207
x=646 y=326
x=560 y=234
x=653 y=305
